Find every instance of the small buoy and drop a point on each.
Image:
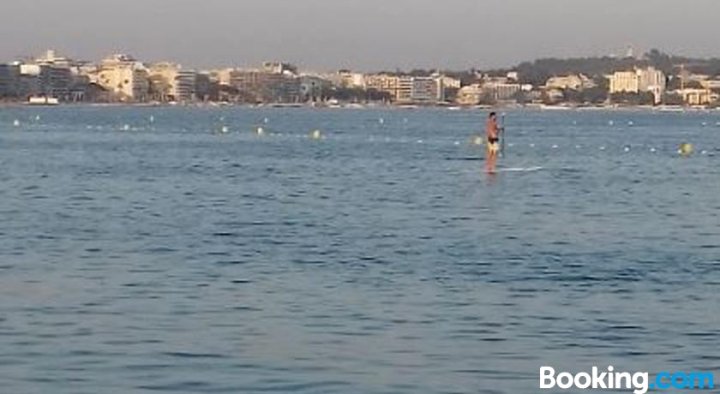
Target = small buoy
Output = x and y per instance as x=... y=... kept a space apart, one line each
x=152 y=119
x=381 y=121
x=630 y=123
x=602 y=148
x=577 y=146
x=477 y=140
x=225 y=130
x=627 y=149
x=420 y=141
x=316 y=135
x=554 y=146
x=16 y=123
x=611 y=123
x=532 y=145
x=405 y=120
x=37 y=118
x=260 y=131
x=126 y=127
x=686 y=149
x=266 y=120
x=456 y=143
x=704 y=152
x=653 y=150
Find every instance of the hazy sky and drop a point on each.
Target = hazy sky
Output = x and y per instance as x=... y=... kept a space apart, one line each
x=360 y=34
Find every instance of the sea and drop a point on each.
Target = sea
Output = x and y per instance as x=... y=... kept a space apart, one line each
x=359 y=251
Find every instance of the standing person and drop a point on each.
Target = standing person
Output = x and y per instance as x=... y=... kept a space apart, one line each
x=492 y=132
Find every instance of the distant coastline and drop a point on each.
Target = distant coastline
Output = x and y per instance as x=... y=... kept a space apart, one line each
x=654 y=79
x=509 y=106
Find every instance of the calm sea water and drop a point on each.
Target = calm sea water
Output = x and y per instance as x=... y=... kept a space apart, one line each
x=143 y=251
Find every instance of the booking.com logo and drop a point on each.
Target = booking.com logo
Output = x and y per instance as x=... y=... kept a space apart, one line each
x=639 y=382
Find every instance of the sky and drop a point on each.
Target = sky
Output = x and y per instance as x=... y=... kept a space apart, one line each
x=364 y=35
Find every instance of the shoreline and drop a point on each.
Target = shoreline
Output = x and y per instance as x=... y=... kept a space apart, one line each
x=371 y=106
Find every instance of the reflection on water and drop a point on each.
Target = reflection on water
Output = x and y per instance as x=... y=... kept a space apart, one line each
x=167 y=256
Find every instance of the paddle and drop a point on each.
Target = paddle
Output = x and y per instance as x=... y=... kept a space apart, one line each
x=502 y=135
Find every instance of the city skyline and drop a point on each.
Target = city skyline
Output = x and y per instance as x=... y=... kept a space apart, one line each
x=362 y=35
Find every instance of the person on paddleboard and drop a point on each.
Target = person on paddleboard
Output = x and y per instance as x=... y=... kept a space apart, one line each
x=492 y=132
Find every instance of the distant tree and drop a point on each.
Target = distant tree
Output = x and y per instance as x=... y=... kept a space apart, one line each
x=693 y=85
x=643 y=98
x=672 y=99
x=355 y=95
x=673 y=83
x=522 y=97
x=420 y=73
x=451 y=94
x=595 y=95
x=487 y=98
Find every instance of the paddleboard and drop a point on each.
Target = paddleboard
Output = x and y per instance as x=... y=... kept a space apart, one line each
x=519 y=169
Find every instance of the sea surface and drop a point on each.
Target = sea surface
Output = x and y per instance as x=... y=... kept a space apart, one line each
x=143 y=250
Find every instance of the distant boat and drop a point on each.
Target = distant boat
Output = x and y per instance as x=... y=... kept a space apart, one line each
x=43 y=101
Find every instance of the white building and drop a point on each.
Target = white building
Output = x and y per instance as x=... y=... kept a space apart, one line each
x=469 y=95
x=172 y=82
x=571 y=82
x=640 y=80
x=501 y=91
x=419 y=90
x=123 y=76
x=653 y=81
x=349 y=79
